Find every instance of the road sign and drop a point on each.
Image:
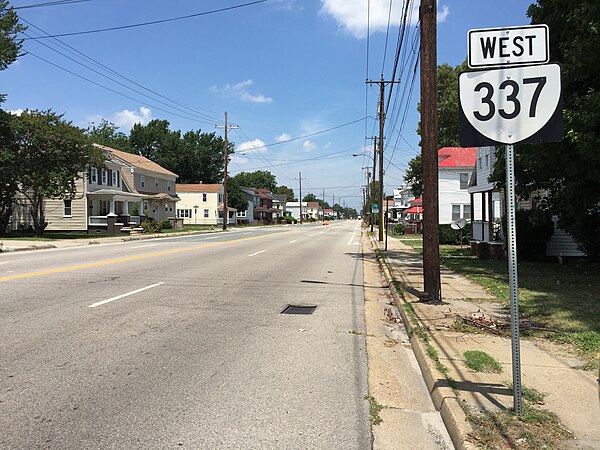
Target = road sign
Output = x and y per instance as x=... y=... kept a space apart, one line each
x=509 y=46
x=375 y=208
x=509 y=106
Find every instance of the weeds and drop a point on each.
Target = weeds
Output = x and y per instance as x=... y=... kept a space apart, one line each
x=374 y=409
x=481 y=362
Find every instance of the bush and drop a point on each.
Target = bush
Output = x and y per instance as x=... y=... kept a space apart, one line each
x=150 y=225
x=399 y=228
x=534 y=229
x=166 y=225
x=449 y=236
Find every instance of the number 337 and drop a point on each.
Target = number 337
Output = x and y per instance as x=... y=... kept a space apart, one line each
x=510 y=89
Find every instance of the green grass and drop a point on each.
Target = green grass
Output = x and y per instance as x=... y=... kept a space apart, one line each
x=481 y=362
x=565 y=300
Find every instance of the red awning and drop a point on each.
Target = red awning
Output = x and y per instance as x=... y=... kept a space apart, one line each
x=413 y=210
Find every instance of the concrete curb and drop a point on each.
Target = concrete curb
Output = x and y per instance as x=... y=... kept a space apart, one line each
x=442 y=395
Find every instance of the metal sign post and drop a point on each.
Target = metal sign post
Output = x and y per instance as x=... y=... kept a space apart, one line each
x=520 y=103
x=512 y=277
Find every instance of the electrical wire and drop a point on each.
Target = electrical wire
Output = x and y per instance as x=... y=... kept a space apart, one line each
x=153 y=22
x=55 y=3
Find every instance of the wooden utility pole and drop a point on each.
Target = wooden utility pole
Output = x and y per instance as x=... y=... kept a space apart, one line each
x=371 y=196
x=226 y=161
x=429 y=150
x=300 y=198
x=381 y=123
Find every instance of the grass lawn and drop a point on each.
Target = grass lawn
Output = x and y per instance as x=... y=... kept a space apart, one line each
x=563 y=299
x=54 y=235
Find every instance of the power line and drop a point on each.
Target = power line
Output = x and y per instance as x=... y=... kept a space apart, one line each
x=55 y=3
x=153 y=22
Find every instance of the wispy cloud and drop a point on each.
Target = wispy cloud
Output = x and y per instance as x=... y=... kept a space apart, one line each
x=351 y=15
x=283 y=137
x=254 y=146
x=240 y=90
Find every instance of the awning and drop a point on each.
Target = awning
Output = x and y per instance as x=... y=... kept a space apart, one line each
x=414 y=210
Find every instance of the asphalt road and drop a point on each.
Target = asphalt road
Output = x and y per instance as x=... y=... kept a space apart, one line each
x=180 y=343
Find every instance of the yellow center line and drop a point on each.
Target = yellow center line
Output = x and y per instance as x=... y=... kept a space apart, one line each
x=134 y=258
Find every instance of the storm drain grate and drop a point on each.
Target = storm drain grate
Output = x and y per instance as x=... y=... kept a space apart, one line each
x=298 y=309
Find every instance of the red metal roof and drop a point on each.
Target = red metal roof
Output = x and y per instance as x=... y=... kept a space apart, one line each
x=416 y=201
x=457 y=156
x=413 y=210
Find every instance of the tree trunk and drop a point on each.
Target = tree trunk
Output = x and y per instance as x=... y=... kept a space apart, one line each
x=37 y=214
x=5 y=213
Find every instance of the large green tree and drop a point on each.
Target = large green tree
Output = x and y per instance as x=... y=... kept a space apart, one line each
x=447 y=115
x=108 y=134
x=259 y=179
x=8 y=172
x=52 y=154
x=235 y=196
x=156 y=142
x=200 y=158
x=289 y=193
x=10 y=46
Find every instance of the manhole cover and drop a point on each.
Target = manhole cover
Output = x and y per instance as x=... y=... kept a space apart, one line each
x=298 y=309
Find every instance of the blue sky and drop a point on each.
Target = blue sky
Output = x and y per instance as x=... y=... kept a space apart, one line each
x=282 y=69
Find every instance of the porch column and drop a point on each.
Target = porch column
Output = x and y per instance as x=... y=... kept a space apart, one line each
x=483 y=216
x=472 y=196
x=491 y=215
x=126 y=207
x=112 y=206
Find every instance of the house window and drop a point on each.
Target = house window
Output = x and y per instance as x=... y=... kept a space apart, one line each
x=143 y=181
x=169 y=186
x=184 y=213
x=467 y=212
x=203 y=197
x=206 y=213
x=220 y=198
x=67 y=208
x=94 y=174
x=487 y=161
x=115 y=177
x=455 y=212
x=155 y=182
x=480 y=162
x=464 y=180
x=241 y=214
x=145 y=207
x=104 y=177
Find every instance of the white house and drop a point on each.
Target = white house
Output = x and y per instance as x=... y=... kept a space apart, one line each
x=402 y=196
x=294 y=209
x=202 y=204
x=455 y=167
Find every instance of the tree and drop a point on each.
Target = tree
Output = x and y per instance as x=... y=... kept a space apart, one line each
x=200 y=158
x=107 y=134
x=414 y=175
x=8 y=172
x=259 y=179
x=289 y=193
x=10 y=46
x=235 y=196
x=567 y=171
x=310 y=197
x=447 y=113
x=52 y=155
x=156 y=142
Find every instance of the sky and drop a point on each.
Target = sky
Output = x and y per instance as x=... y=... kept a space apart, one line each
x=289 y=73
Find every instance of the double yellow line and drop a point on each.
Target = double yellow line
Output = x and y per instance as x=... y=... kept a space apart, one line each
x=133 y=258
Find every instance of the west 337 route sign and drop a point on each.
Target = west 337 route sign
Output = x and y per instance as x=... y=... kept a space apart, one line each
x=519 y=105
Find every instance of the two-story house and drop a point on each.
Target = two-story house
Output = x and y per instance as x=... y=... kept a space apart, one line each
x=280 y=203
x=110 y=198
x=202 y=204
x=246 y=217
x=455 y=167
x=294 y=210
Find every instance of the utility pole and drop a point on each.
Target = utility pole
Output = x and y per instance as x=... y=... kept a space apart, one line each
x=226 y=160
x=429 y=150
x=300 y=198
x=323 y=208
x=373 y=173
x=382 y=84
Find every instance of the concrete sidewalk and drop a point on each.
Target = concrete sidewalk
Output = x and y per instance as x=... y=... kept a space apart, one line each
x=571 y=393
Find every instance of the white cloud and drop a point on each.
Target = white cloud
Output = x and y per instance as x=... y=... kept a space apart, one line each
x=16 y=112
x=124 y=119
x=239 y=90
x=254 y=146
x=283 y=137
x=309 y=146
x=351 y=15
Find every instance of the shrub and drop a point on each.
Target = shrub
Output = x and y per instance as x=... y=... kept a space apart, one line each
x=150 y=225
x=449 y=236
x=166 y=225
x=399 y=228
x=534 y=229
